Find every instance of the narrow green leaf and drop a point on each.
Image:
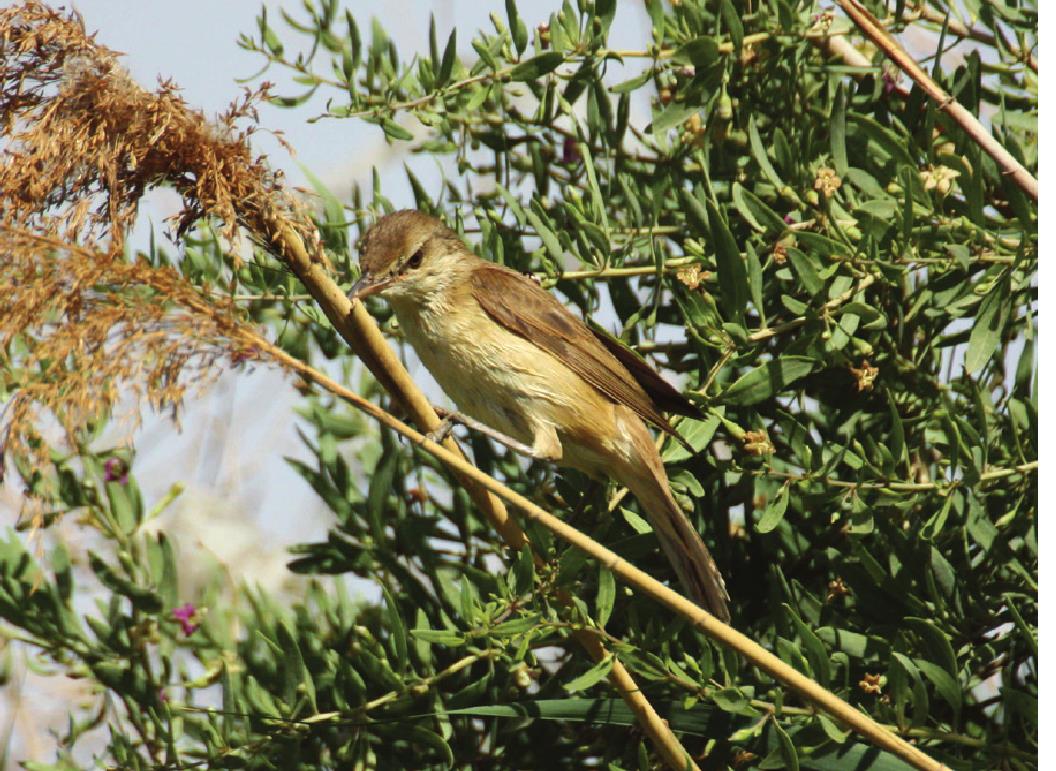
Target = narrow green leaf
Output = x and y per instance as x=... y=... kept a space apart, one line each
x=760 y=156
x=733 y=275
x=788 y=749
x=448 y=62
x=537 y=66
x=592 y=676
x=813 y=648
x=767 y=380
x=733 y=23
x=394 y=130
x=947 y=688
x=805 y=269
x=756 y=213
x=838 y=131
x=988 y=327
x=696 y=433
x=397 y=630
x=633 y=83
x=755 y=281
x=606 y=596
x=439 y=636
x=422 y=735
x=774 y=512
x=730 y=700
x=700 y=52
x=637 y=523
x=673 y=115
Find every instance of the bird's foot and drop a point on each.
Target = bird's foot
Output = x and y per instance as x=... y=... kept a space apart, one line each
x=439 y=434
x=451 y=417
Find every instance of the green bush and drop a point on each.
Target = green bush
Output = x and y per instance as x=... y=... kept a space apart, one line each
x=815 y=249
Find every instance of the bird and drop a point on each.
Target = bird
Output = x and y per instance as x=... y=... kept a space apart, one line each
x=512 y=357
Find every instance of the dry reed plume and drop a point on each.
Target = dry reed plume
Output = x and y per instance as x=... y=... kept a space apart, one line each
x=82 y=325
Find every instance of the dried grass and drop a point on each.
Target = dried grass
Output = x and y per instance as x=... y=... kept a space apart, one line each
x=81 y=326
x=83 y=331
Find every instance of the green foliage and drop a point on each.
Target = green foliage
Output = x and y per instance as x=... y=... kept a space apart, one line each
x=838 y=272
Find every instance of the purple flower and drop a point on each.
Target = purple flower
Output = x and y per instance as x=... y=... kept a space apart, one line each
x=788 y=219
x=570 y=152
x=890 y=77
x=186 y=615
x=115 y=470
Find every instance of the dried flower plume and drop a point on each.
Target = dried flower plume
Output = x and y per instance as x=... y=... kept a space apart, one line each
x=82 y=325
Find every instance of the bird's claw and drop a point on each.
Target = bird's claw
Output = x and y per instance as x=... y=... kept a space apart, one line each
x=439 y=434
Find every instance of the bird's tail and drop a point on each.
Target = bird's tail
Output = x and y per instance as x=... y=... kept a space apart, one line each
x=687 y=553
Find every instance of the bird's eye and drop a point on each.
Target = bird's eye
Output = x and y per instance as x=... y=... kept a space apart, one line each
x=416 y=260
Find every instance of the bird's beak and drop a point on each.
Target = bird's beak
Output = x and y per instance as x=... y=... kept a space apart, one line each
x=367 y=285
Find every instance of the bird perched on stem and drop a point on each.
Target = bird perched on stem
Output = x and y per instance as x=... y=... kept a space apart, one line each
x=512 y=357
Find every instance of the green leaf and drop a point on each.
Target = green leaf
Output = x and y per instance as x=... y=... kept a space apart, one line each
x=397 y=630
x=814 y=649
x=767 y=380
x=988 y=327
x=945 y=685
x=592 y=676
x=422 y=735
x=733 y=275
x=697 y=721
x=633 y=83
x=673 y=115
x=733 y=23
x=700 y=52
x=755 y=281
x=788 y=749
x=774 y=512
x=637 y=523
x=143 y=598
x=606 y=596
x=696 y=433
x=805 y=269
x=448 y=62
x=756 y=213
x=760 y=156
x=446 y=637
x=523 y=572
x=838 y=131
x=394 y=130
x=731 y=700
x=537 y=66
x=545 y=234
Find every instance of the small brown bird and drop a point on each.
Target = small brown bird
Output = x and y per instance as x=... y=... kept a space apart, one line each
x=513 y=357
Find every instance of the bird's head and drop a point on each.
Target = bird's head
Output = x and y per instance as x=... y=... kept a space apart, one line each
x=407 y=255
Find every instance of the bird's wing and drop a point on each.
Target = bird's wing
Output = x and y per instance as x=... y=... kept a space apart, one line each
x=664 y=395
x=529 y=311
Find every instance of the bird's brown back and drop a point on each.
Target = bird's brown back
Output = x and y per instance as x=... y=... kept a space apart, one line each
x=529 y=311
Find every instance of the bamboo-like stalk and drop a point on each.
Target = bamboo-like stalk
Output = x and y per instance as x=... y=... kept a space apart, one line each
x=873 y=30
x=726 y=635
x=359 y=329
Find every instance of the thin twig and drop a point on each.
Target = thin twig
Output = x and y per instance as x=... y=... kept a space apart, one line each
x=831 y=305
x=899 y=486
x=872 y=29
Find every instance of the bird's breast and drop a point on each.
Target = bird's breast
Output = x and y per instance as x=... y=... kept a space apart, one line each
x=501 y=378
